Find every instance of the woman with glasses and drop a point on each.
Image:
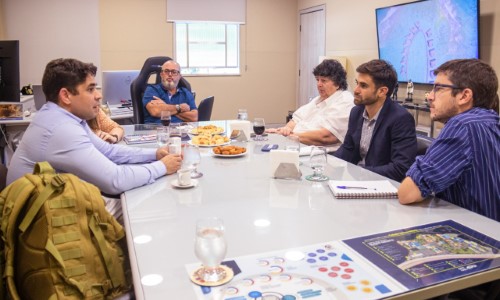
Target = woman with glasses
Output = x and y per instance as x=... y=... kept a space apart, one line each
x=168 y=96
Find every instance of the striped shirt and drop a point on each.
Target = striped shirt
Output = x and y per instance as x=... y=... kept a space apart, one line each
x=462 y=165
x=366 y=135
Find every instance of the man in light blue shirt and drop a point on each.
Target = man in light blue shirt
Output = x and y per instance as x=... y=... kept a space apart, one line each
x=60 y=135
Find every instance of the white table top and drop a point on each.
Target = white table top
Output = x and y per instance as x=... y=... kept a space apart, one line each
x=241 y=191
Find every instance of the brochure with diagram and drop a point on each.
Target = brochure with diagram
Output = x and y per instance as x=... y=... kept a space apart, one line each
x=429 y=254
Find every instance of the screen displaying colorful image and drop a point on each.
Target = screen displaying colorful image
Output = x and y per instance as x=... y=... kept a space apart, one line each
x=417 y=37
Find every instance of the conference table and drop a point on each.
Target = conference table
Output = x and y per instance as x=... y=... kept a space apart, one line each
x=263 y=214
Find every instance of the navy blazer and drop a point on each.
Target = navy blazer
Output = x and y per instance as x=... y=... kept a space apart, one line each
x=393 y=146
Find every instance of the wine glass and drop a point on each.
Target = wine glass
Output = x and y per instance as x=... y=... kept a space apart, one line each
x=210 y=248
x=192 y=159
x=165 y=117
x=317 y=161
x=162 y=136
x=259 y=126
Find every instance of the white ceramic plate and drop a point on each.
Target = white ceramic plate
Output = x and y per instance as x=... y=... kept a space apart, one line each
x=226 y=143
x=175 y=183
x=220 y=131
x=229 y=156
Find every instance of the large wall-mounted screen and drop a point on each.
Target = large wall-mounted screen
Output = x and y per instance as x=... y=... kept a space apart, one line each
x=417 y=37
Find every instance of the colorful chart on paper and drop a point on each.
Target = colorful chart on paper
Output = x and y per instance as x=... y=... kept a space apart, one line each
x=323 y=271
x=429 y=254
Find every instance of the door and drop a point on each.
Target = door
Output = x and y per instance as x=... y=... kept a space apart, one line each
x=312 y=46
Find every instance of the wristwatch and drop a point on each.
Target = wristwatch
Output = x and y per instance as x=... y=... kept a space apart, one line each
x=178 y=107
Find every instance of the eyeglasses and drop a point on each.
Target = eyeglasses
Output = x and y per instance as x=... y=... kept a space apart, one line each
x=439 y=87
x=168 y=72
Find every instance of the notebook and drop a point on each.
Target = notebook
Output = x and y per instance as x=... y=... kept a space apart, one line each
x=363 y=189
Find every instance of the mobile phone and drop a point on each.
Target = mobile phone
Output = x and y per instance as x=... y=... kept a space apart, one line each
x=269 y=147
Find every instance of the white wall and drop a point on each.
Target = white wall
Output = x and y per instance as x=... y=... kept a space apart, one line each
x=351 y=32
x=51 y=29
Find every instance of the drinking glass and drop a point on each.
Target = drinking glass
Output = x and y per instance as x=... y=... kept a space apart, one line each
x=242 y=114
x=165 y=117
x=317 y=161
x=259 y=126
x=162 y=136
x=292 y=143
x=175 y=130
x=210 y=248
x=192 y=159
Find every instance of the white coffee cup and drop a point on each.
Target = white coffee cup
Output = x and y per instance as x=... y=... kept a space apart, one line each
x=184 y=177
x=174 y=148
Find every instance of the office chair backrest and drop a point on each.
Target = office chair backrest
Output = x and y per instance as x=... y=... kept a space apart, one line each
x=38 y=96
x=423 y=142
x=205 y=109
x=151 y=67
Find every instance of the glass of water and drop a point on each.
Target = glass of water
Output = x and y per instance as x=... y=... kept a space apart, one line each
x=210 y=248
x=192 y=159
x=162 y=136
x=292 y=143
x=242 y=114
x=317 y=161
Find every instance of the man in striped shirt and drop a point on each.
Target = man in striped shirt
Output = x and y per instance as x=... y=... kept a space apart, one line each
x=462 y=165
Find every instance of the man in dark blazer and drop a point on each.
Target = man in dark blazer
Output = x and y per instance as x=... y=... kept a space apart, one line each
x=381 y=133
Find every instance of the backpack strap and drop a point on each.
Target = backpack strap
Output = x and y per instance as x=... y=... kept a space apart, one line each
x=43 y=167
x=94 y=225
x=56 y=184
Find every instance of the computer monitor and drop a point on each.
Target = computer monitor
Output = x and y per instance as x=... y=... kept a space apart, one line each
x=116 y=85
x=9 y=72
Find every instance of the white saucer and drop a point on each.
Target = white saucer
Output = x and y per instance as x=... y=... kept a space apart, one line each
x=175 y=183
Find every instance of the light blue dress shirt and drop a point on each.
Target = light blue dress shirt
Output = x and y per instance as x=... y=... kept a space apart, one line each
x=68 y=144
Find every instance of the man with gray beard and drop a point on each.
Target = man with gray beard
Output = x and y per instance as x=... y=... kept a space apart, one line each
x=168 y=96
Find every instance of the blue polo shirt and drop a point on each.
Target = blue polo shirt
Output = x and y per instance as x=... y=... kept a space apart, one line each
x=183 y=95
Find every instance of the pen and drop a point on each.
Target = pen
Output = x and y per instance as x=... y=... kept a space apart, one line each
x=352 y=187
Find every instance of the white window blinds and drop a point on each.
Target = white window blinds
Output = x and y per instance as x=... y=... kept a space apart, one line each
x=221 y=11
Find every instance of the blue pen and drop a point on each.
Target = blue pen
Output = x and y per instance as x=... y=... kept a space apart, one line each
x=344 y=187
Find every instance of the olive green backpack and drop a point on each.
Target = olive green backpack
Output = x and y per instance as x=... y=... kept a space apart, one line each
x=58 y=240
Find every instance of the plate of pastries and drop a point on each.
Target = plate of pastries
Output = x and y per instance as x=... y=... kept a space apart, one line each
x=207 y=130
x=229 y=151
x=209 y=140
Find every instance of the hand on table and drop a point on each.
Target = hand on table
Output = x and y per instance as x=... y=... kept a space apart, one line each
x=172 y=162
x=285 y=131
x=107 y=137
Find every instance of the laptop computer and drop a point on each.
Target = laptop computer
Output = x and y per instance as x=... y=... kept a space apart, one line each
x=38 y=96
x=116 y=86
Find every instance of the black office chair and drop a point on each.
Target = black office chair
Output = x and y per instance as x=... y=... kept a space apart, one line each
x=205 y=109
x=423 y=142
x=151 y=67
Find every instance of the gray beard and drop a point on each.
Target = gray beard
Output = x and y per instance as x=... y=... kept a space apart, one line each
x=169 y=85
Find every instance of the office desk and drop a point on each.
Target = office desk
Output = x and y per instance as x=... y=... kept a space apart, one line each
x=13 y=130
x=160 y=220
